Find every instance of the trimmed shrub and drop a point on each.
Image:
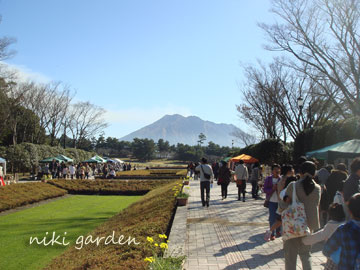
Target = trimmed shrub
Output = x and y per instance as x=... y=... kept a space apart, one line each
x=268 y=151
x=108 y=187
x=149 y=216
x=13 y=196
x=26 y=156
x=331 y=133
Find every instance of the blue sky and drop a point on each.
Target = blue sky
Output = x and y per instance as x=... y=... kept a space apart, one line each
x=141 y=59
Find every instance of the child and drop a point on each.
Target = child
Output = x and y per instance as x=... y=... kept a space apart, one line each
x=283 y=203
x=336 y=218
x=347 y=237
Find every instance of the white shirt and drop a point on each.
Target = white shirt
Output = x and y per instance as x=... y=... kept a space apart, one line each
x=274 y=198
x=241 y=172
x=72 y=169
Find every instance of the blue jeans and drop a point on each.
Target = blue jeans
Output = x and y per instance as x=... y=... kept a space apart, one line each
x=272 y=216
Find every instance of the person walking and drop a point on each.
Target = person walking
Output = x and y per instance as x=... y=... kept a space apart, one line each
x=72 y=171
x=346 y=239
x=241 y=176
x=206 y=177
x=254 y=179
x=215 y=167
x=352 y=184
x=270 y=188
x=308 y=193
x=224 y=179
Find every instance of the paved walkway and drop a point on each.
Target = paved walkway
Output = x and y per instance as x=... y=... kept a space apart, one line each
x=229 y=234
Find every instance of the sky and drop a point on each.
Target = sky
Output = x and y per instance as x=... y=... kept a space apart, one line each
x=141 y=59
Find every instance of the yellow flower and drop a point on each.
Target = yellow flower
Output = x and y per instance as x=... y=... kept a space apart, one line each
x=156 y=245
x=164 y=245
x=163 y=236
x=150 y=239
x=149 y=259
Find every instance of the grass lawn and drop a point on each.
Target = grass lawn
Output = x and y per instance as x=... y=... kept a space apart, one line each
x=76 y=215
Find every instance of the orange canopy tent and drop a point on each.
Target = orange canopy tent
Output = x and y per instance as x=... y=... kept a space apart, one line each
x=245 y=158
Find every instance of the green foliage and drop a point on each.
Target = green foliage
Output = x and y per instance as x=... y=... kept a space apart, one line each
x=331 y=133
x=143 y=149
x=188 y=153
x=108 y=187
x=75 y=215
x=26 y=156
x=13 y=196
x=168 y=263
x=268 y=151
x=149 y=216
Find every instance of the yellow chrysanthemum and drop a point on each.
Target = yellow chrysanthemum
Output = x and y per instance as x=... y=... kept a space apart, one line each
x=150 y=239
x=149 y=259
x=164 y=245
x=162 y=236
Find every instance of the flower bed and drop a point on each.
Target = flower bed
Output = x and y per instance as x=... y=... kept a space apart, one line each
x=13 y=196
x=150 y=216
x=173 y=172
x=108 y=187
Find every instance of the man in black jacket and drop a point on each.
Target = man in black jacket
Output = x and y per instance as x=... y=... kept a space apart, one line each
x=352 y=184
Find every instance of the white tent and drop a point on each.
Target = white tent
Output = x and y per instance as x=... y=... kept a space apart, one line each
x=3 y=163
x=118 y=160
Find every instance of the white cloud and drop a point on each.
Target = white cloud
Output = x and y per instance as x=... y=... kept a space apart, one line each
x=24 y=73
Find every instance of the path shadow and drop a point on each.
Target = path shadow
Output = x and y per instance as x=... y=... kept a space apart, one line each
x=257 y=259
x=253 y=242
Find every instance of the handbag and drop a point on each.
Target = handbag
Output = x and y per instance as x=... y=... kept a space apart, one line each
x=206 y=175
x=266 y=203
x=294 y=219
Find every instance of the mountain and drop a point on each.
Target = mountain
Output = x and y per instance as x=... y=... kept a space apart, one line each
x=179 y=129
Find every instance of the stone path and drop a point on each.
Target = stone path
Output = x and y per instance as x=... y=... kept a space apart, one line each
x=229 y=234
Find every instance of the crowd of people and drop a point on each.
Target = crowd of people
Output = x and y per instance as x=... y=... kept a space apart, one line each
x=329 y=198
x=63 y=170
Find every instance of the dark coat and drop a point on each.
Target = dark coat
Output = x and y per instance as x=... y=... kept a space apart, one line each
x=351 y=186
x=224 y=175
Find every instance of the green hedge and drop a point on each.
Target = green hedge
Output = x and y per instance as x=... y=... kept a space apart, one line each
x=13 y=196
x=108 y=187
x=26 y=156
x=268 y=151
x=331 y=133
x=149 y=216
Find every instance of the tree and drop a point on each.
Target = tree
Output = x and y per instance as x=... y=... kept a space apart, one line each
x=163 y=147
x=143 y=149
x=5 y=51
x=244 y=137
x=84 y=121
x=202 y=138
x=256 y=108
x=186 y=152
x=323 y=38
x=275 y=90
x=50 y=102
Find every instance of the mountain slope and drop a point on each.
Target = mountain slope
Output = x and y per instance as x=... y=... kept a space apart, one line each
x=180 y=129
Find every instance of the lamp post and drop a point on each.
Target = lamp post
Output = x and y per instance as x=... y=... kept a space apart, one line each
x=232 y=143
x=300 y=102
